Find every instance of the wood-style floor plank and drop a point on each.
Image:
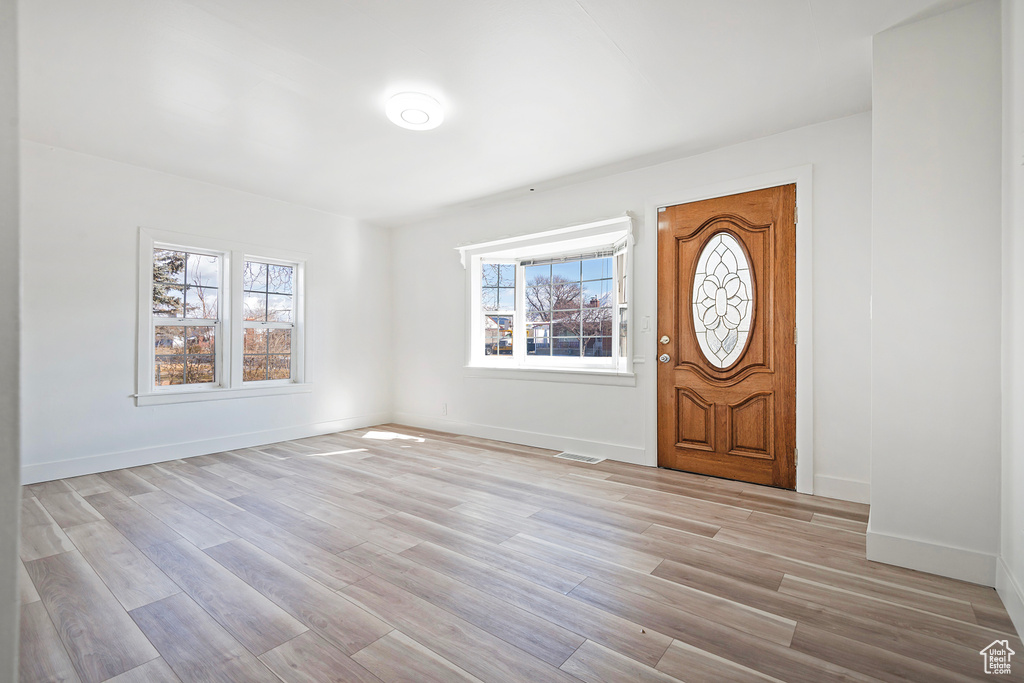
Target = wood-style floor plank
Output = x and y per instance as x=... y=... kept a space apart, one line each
x=330 y=538
x=323 y=611
x=89 y=485
x=706 y=634
x=100 y=638
x=397 y=658
x=130 y=575
x=879 y=664
x=528 y=632
x=69 y=509
x=42 y=657
x=128 y=483
x=132 y=520
x=628 y=636
x=677 y=547
x=310 y=659
x=195 y=646
x=49 y=487
x=468 y=647
x=970 y=636
x=208 y=481
x=363 y=527
x=33 y=513
x=757 y=622
x=536 y=571
x=930 y=638
x=41 y=536
x=687 y=663
x=26 y=589
x=393 y=553
x=254 y=621
x=155 y=671
x=301 y=555
x=196 y=497
x=596 y=664
x=190 y=524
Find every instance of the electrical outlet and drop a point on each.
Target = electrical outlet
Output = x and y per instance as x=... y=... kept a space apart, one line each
x=444 y=408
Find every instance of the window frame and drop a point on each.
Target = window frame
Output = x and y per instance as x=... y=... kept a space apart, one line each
x=228 y=353
x=295 y=327
x=576 y=241
x=186 y=322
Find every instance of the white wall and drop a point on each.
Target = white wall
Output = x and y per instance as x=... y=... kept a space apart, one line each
x=430 y=301
x=10 y=492
x=936 y=285
x=1010 y=572
x=81 y=216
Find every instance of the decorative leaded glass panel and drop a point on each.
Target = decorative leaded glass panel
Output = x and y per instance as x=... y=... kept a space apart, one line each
x=723 y=303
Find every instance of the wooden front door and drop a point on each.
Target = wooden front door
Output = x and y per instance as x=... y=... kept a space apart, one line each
x=726 y=328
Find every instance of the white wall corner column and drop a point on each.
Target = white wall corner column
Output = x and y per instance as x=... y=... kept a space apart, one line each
x=936 y=290
x=10 y=285
x=1010 y=571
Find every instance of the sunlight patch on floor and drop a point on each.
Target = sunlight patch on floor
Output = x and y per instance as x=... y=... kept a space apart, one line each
x=392 y=436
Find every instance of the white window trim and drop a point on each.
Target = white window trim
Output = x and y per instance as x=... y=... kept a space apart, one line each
x=580 y=239
x=228 y=382
x=297 y=326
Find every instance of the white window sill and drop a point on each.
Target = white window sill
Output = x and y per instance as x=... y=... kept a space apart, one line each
x=608 y=376
x=219 y=394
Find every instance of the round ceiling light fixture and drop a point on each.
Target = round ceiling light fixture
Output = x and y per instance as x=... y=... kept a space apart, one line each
x=414 y=111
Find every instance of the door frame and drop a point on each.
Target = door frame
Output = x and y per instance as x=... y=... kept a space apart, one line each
x=648 y=347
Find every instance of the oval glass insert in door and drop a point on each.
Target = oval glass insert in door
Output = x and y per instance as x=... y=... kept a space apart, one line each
x=723 y=300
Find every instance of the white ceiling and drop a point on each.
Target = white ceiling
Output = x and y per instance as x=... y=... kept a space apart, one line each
x=286 y=98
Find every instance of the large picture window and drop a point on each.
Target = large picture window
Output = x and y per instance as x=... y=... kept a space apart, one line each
x=569 y=307
x=215 y=322
x=552 y=300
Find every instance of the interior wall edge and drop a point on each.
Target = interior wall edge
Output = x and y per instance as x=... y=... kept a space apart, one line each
x=935 y=558
x=842 y=488
x=10 y=346
x=636 y=455
x=1011 y=594
x=105 y=462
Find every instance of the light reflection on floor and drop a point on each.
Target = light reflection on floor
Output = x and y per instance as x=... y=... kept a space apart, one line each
x=322 y=455
x=392 y=436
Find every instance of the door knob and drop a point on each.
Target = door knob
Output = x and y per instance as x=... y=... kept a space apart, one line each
x=664 y=358
x=664 y=339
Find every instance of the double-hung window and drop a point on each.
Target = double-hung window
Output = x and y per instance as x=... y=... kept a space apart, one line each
x=552 y=300
x=268 y=320
x=186 y=319
x=217 y=320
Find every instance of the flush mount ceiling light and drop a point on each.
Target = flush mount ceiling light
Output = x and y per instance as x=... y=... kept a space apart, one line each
x=414 y=111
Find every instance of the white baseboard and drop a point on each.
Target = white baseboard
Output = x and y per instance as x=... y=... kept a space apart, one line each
x=1011 y=594
x=104 y=462
x=956 y=563
x=630 y=454
x=843 y=489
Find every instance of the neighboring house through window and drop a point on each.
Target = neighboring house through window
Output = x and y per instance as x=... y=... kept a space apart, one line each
x=554 y=300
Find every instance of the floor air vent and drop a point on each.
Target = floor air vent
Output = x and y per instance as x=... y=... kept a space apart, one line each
x=579 y=458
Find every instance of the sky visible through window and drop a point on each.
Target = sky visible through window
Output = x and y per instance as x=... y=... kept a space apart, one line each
x=185 y=288
x=568 y=308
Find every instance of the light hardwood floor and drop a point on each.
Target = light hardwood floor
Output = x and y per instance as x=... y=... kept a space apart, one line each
x=400 y=554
